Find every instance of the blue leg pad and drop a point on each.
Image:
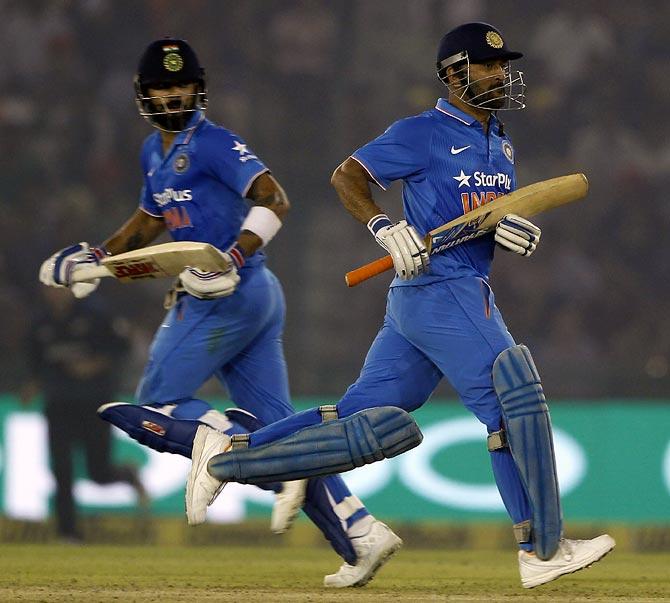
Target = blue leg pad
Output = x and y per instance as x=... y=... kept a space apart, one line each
x=530 y=439
x=151 y=428
x=332 y=447
x=244 y=422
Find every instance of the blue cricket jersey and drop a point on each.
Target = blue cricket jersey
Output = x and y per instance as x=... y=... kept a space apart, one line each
x=449 y=167
x=199 y=186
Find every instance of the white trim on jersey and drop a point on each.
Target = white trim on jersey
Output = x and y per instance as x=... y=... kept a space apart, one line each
x=467 y=123
x=149 y=213
x=251 y=180
x=365 y=167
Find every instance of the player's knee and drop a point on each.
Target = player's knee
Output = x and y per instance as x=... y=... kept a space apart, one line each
x=516 y=379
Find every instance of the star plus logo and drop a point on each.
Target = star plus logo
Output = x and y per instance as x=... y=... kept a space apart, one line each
x=462 y=179
x=240 y=148
x=245 y=154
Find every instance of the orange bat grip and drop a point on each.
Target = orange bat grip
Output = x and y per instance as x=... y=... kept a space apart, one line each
x=354 y=277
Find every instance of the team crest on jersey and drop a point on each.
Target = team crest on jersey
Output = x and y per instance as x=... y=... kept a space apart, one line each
x=508 y=150
x=181 y=163
x=173 y=62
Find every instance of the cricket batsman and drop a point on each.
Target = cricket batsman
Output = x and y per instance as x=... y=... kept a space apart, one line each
x=198 y=179
x=441 y=318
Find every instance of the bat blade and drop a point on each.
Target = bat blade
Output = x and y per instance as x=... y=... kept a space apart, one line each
x=526 y=202
x=164 y=260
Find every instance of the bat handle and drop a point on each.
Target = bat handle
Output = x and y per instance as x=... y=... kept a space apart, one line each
x=89 y=273
x=354 y=277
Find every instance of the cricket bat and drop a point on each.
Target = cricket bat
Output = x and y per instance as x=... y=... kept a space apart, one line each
x=525 y=202
x=166 y=259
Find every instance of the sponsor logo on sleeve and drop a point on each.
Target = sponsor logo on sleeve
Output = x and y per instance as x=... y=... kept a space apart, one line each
x=245 y=153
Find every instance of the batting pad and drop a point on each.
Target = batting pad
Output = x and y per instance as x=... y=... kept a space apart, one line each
x=332 y=447
x=530 y=439
x=151 y=427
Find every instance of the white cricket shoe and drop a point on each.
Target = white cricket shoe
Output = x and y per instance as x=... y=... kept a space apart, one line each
x=287 y=505
x=571 y=556
x=201 y=488
x=373 y=550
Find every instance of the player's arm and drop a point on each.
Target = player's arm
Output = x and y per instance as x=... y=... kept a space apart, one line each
x=56 y=271
x=352 y=183
x=266 y=215
x=140 y=230
x=259 y=227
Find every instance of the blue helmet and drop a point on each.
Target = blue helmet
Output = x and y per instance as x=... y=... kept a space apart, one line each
x=481 y=41
x=478 y=42
x=165 y=63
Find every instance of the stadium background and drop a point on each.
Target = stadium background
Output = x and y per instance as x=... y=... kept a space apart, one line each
x=307 y=82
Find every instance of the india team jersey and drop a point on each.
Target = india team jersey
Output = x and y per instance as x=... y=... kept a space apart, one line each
x=449 y=167
x=198 y=188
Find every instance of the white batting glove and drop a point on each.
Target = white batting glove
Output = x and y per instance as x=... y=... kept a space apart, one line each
x=409 y=253
x=57 y=270
x=212 y=285
x=517 y=234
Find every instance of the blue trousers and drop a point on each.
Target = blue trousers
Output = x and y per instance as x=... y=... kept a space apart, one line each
x=238 y=339
x=449 y=329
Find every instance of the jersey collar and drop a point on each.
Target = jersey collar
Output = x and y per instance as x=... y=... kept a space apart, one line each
x=447 y=109
x=186 y=135
x=444 y=107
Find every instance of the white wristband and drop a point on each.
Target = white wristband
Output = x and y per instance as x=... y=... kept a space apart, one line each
x=263 y=222
x=377 y=222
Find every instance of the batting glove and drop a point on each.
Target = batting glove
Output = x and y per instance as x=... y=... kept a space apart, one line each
x=57 y=270
x=514 y=233
x=212 y=285
x=402 y=242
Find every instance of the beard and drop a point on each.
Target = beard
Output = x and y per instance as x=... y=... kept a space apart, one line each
x=493 y=97
x=174 y=115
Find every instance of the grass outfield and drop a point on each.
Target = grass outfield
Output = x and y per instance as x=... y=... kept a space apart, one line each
x=245 y=574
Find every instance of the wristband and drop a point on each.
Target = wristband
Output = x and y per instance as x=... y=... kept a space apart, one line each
x=100 y=252
x=237 y=256
x=377 y=222
x=263 y=222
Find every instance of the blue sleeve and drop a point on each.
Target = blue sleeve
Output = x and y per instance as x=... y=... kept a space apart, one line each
x=147 y=202
x=232 y=161
x=399 y=153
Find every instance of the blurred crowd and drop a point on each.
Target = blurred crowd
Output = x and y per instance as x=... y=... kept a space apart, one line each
x=306 y=82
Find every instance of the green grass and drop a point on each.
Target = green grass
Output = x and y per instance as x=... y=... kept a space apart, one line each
x=249 y=574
